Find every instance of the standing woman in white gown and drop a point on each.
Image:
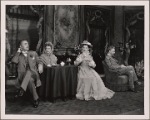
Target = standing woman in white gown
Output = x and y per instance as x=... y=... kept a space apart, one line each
x=90 y=85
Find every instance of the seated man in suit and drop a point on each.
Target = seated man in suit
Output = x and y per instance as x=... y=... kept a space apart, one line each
x=47 y=58
x=121 y=69
x=28 y=76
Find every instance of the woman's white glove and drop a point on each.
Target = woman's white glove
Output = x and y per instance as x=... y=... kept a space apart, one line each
x=78 y=60
x=92 y=64
x=122 y=66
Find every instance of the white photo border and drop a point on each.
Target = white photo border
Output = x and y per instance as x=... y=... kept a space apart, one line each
x=107 y=3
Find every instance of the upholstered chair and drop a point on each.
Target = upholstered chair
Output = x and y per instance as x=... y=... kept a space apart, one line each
x=114 y=81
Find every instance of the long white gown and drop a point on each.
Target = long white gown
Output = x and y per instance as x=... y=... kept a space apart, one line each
x=90 y=85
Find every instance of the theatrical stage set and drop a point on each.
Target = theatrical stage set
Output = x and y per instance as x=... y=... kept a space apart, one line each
x=74 y=60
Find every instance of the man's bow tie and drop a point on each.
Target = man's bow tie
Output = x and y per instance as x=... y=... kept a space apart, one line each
x=25 y=53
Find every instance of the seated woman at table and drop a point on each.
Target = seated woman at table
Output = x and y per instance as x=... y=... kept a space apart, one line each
x=90 y=85
x=47 y=58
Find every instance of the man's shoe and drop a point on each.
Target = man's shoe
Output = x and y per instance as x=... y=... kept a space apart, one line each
x=16 y=97
x=137 y=83
x=19 y=93
x=36 y=103
x=134 y=90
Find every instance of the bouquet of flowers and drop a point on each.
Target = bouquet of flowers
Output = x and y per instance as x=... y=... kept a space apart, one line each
x=77 y=49
x=139 y=67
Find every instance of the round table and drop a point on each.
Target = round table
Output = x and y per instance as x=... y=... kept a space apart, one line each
x=59 y=81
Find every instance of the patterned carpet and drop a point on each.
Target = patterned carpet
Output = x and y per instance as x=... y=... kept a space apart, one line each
x=121 y=103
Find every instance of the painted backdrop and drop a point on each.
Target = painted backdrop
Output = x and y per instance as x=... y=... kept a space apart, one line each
x=66 y=26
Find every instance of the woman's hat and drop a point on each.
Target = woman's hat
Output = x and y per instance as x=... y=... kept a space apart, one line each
x=85 y=42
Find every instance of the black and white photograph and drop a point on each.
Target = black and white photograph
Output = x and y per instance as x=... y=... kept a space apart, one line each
x=75 y=59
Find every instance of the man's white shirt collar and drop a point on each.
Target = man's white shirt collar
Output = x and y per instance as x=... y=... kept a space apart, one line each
x=25 y=53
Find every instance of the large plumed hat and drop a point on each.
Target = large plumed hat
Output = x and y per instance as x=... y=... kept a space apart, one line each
x=85 y=42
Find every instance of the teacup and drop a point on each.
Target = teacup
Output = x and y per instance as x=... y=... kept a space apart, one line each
x=48 y=65
x=62 y=63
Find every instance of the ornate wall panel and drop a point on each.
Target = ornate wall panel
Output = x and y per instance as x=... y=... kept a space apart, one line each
x=134 y=33
x=66 y=26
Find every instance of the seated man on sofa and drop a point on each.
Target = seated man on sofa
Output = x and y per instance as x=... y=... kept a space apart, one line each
x=121 y=69
x=28 y=76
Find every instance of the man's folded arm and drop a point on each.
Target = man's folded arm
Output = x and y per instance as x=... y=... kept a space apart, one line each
x=111 y=65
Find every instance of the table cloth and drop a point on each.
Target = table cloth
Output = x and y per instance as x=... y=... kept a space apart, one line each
x=58 y=81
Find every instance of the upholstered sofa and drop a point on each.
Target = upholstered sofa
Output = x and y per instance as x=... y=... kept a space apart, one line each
x=114 y=81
